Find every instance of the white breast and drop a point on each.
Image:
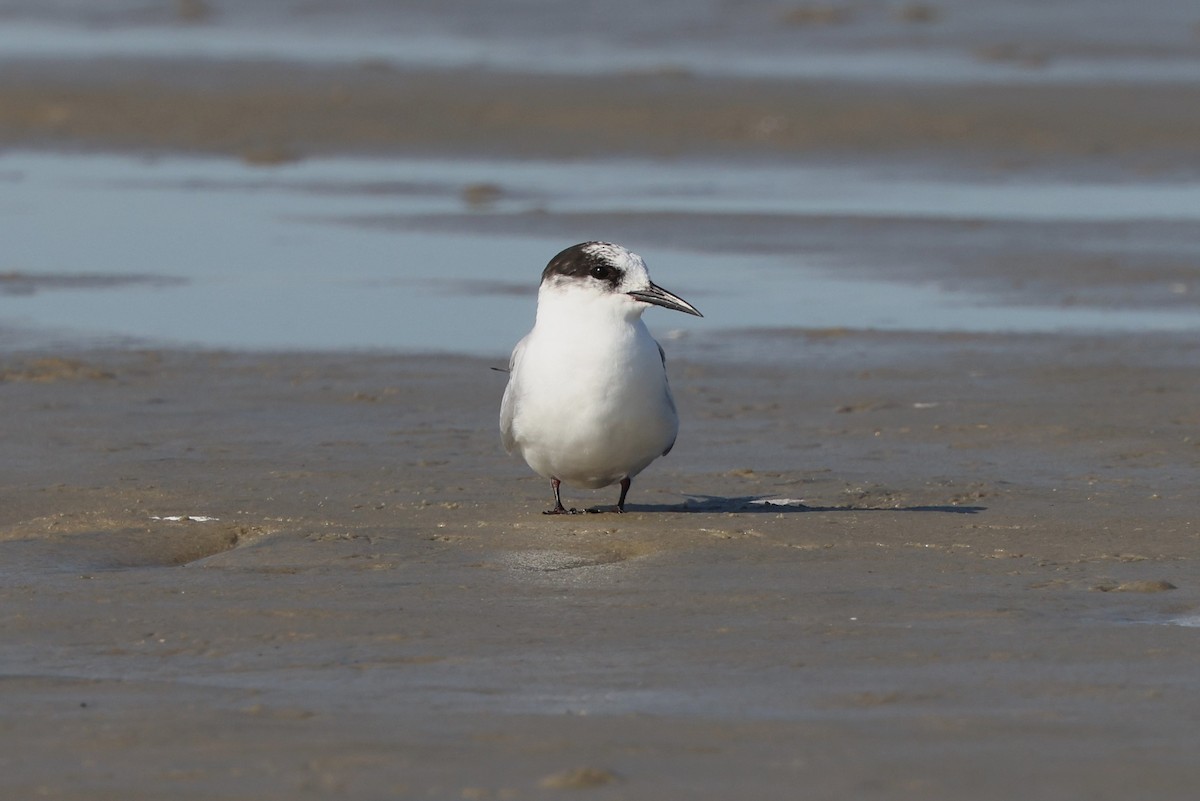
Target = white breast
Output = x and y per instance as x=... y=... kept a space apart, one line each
x=588 y=401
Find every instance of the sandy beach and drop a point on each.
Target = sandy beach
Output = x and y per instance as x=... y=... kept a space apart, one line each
x=974 y=589
x=878 y=564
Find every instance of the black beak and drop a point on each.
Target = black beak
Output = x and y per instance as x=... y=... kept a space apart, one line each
x=661 y=297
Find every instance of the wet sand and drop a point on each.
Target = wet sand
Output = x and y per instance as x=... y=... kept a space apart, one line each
x=267 y=114
x=297 y=575
x=975 y=598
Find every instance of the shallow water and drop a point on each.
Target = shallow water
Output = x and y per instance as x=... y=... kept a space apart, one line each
x=215 y=253
x=953 y=41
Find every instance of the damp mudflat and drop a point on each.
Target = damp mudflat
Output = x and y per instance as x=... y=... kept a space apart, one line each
x=939 y=443
x=323 y=564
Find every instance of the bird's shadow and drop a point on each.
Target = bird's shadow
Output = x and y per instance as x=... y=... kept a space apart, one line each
x=762 y=504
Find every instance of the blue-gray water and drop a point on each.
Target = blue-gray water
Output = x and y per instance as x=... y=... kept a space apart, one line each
x=214 y=253
x=952 y=41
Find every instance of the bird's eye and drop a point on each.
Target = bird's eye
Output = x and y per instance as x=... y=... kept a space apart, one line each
x=601 y=272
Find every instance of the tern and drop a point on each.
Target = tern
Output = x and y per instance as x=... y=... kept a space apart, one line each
x=587 y=400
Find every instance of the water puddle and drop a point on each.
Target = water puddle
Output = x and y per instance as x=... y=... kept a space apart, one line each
x=215 y=253
x=433 y=186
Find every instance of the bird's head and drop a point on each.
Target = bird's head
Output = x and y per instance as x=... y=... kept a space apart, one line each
x=608 y=273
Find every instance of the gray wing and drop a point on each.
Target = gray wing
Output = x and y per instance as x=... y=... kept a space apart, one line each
x=670 y=400
x=508 y=406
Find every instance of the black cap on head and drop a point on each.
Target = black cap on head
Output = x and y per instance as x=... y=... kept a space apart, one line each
x=587 y=259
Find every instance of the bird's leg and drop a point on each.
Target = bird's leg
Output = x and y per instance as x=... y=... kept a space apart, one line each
x=625 y=482
x=558 y=507
x=620 y=507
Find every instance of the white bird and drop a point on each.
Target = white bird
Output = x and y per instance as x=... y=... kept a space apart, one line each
x=587 y=400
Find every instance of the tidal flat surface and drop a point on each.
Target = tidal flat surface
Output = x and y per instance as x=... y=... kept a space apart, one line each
x=324 y=565
x=929 y=530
